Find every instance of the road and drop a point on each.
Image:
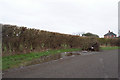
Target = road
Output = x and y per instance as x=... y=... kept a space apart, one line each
x=103 y=64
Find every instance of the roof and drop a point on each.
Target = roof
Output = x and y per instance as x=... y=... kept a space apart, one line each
x=109 y=33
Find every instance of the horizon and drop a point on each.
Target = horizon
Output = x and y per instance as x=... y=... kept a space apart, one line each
x=76 y=34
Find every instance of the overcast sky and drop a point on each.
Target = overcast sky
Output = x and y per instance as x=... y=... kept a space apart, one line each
x=64 y=16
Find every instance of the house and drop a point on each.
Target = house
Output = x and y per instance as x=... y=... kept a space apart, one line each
x=110 y=35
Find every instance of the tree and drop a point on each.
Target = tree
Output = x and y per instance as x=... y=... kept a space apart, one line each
x=90 y=35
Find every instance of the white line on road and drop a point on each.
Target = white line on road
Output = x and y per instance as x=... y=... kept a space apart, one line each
x=103 y=67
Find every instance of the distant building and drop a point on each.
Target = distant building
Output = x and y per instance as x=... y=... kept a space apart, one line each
x=110 y=35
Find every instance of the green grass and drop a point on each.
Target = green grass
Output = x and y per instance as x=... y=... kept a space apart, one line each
x=109 y=48
x=13 y=61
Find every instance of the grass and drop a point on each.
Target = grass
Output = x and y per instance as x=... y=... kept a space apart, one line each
x=13 y=61
x=17 y=60
x=109 y=48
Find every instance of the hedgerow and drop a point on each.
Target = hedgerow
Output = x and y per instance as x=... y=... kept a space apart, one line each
x=21 y=40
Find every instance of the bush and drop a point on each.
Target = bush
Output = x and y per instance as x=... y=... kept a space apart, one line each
x=109 y=41
x=89 y=43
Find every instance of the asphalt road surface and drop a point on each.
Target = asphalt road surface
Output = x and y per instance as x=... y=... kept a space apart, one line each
x=103 y=64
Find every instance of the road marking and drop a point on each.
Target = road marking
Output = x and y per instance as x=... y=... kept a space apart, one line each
x=106 y=76
x=103 y=66
x=101 y=60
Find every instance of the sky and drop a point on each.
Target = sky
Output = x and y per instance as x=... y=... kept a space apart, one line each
x=63 y=16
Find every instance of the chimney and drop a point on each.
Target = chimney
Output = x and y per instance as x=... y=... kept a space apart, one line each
x=109 y=31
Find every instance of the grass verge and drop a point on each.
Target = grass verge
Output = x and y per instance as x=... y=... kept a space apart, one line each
x=109 y=48
x=14 y=61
